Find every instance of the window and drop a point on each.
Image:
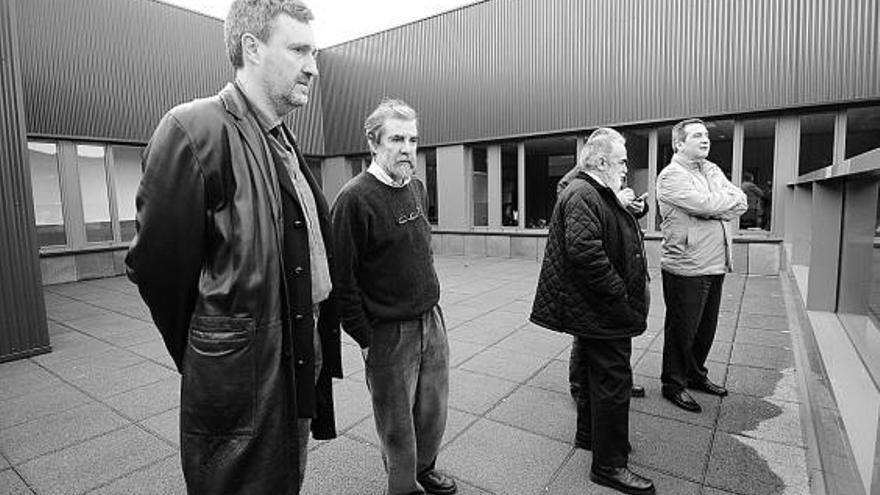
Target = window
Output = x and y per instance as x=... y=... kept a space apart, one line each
x=431 y=183
x=862 y=130
x=46 y=184
x=93 y=186
x=637 y=163
x=509 y=186
x=314 y=165
x=127 y=162
x=817 y=142
x=721 y=152
x=480 y=186
x=759 y=139
x=547 y=160
x=357 y=164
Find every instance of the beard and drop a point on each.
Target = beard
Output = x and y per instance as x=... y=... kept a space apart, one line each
x=401 y=171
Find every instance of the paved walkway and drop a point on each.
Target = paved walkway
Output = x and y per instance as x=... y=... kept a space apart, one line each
x=99 y=414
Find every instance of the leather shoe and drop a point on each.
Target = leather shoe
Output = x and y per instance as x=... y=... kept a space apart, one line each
x=638 y=391
x=683 y=400
x=622 y=480
x=708 y=387
x=437 y=483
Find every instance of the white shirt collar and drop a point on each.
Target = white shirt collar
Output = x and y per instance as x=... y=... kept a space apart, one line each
x=379 y=173
x=597 y=178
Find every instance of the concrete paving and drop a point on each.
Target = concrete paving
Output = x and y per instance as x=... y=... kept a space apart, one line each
x=99 y=414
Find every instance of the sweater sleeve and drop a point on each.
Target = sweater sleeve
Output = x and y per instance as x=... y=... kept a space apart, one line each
x=675 y=187
x=350 y=234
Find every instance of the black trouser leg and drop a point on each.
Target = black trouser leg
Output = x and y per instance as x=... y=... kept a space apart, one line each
x=706 y=330
x=603 y=402
x=685 y=299
x=576 y=370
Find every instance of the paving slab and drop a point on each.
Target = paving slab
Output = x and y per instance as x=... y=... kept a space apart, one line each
x=502 y=459
x=574 y=479
x=762 y=418
x=670 y=446
x=345 y=467
x=165 y=426
x=40 y=403
x=763 y=382
x=509 y=365
x=93 y=463
x=50 y=433
x=539 y=411
x=34 y=380
x=766 y=338
x=748 y=465
x=12 y=484
x=164 y=477
x=460 y=351
x=476 y=393
x=538 y=343
x=351 y=402
x=764 y=322
x=70 y=346
x=656 y=405
x=456 y=422
x=148 y=400
x=773 y=358
x=553 y=377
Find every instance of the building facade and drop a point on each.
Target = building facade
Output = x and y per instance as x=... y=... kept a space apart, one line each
x=507 y=91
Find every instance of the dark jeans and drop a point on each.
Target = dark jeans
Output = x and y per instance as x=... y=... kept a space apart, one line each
x=603 y=398
x=407 y=372
x=692 y=305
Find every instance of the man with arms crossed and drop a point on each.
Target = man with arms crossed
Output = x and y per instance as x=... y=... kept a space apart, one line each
x=230 y=256
x=388 y=293
x=593 y=285
x=696 y=202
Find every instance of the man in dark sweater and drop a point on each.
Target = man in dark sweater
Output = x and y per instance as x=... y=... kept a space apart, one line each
x=388 y=293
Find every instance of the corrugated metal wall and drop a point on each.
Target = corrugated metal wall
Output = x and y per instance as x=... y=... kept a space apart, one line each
x=513 y=67
x=109 y=69
x=23 y=328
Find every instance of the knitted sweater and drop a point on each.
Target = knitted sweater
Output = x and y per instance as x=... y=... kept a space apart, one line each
x=384 y=264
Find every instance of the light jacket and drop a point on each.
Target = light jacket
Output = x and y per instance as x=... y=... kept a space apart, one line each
x=207 y=259
x=696 y=202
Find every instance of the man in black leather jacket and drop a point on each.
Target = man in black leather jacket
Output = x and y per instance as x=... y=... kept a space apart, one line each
x=231 y=258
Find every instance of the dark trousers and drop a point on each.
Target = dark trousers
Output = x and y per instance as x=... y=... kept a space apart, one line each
x=407 y=373
x=603 y=398
x=692 y=305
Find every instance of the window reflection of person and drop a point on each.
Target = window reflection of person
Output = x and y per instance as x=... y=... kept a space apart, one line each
x=754 y=215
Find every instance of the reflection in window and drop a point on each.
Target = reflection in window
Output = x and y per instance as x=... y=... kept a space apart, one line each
x=509 y=186
x=357 y=164
x=637 y=163
x=46 y=184
x=431 y=183
x=664 y=156
x=547 y=160
x=93 y=185
x=721 y=151
x=759 y=137
x=127 y=160
x=862 y=130
x=817 y=142
x=480 y=186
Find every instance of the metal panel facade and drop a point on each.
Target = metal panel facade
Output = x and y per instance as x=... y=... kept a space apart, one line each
x=23 y=328
x=503 y=68
x=109 y=69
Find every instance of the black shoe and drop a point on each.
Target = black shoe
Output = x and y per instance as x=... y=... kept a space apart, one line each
x=622 y=480
x=708 y=387
x=638 y=391
x=683 y=400
x=437 y=483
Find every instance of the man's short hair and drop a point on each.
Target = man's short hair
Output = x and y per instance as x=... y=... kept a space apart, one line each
x=257 y=17
x=678 y=131
x=388 y=108
x=600 y=143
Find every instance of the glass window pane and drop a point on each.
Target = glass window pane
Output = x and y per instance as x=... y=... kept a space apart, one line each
x=357 y=164
x=817 y=142
x=93 y=185
x=431 y=183
x=862 y=130
x=721 y=151
x=759 y=138
x=127 y=160
x=509 y=186
x=664 y=156
x=547 y=160
x=480 y=186
x=637 y=163
x=46 y=184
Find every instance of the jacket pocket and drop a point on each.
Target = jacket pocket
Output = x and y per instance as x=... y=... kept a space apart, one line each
x=218 y=396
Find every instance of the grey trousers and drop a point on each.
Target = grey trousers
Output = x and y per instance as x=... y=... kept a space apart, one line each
x=407 y=371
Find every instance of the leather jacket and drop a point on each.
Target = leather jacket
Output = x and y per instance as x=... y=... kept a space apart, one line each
x=207 y=259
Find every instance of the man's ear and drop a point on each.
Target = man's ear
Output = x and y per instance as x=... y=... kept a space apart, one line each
x=250 y=48
x=371 y=144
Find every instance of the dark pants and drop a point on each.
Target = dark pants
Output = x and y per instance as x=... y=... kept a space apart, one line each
x=603 y=398
x=304 y=425
x=407 y=372
x=692 y=305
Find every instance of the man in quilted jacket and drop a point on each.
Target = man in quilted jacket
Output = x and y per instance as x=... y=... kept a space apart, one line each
x=696 y=201
x=593 y=285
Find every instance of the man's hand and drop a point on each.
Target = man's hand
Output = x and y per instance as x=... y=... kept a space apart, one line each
x=628 y=200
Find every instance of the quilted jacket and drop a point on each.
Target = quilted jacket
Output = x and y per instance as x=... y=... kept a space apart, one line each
x=594 y=275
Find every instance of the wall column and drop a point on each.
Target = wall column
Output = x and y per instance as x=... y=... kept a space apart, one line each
x=453 y=197
x=334 y=175
x=824 y=254
x=521 y=183
x=23 y=328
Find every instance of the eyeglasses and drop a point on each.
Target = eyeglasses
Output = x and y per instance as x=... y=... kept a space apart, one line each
x=411 y=216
